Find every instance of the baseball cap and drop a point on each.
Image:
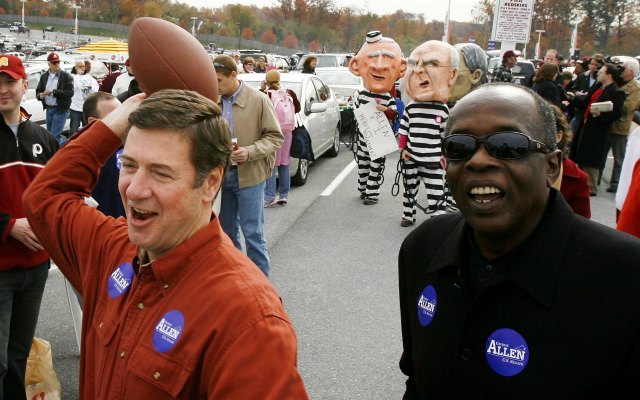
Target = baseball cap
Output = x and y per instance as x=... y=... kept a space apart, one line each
x=12 y=66
x=508 y=53
x=53 y=57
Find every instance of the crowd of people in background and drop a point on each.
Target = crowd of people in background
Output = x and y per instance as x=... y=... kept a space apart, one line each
x=440 y=140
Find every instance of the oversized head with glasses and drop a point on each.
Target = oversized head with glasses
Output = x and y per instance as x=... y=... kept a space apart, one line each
x=432 y=71
x=502 y=160
x=379 y=62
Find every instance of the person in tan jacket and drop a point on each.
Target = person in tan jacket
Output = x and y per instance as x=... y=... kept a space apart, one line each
x=620 y=128
x=256 y=135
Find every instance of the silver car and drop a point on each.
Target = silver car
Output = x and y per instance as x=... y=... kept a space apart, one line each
x=319 y=113
x=345 y=84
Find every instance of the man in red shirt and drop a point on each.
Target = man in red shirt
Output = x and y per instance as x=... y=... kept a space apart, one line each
x=172 y=310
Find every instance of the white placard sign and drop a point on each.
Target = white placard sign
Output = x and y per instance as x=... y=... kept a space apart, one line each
x=512 y=21
x=376 y=130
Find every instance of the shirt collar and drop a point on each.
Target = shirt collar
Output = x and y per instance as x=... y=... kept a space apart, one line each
x=173 y=266
x=540 y=258
x=235 y=95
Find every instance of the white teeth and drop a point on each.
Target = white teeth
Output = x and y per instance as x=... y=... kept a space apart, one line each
x=485 y=190
x=140 y=211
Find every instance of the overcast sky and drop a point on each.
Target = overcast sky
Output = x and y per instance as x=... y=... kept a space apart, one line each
x=432 y=9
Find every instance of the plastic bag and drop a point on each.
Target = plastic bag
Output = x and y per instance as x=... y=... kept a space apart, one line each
x=41 y=381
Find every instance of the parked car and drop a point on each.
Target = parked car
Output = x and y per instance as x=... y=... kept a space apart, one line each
x=319 y=113
x=24 y=29
x=327 y=60
x=13 y=28
x=49 y=29
x=344 y=84
x=522 y=72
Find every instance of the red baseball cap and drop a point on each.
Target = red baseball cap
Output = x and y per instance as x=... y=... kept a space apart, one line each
x=508 y=53
x=12 y=66
x=53 y=57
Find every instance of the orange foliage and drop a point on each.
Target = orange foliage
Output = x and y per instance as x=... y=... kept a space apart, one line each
x=247 y=33
x=290 y=42
x=268 y=37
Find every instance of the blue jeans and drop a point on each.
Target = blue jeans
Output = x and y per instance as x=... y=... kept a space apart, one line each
x=75 y=121
x=284 y=183
x=55 y=123
x=20 y=297
x=243 y=209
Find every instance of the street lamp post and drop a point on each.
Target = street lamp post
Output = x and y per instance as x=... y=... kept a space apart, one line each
x=573 y=46
x=540 y=32
x=23 y=2
x=76 y=25
x=193 y=27
x=239 y=35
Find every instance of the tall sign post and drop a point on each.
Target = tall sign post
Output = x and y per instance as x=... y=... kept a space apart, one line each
x=512 y=23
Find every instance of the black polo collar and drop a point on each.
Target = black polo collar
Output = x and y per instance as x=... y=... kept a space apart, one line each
x=541 y=256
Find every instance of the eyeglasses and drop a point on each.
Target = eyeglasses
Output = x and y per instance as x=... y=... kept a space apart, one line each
x=218 y=65
x=501 y=145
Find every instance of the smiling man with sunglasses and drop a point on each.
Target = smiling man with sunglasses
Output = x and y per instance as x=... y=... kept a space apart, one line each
x=516 y=296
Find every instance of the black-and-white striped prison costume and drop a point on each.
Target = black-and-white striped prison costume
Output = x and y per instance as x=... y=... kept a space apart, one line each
x=369 y=171
x=423 y=123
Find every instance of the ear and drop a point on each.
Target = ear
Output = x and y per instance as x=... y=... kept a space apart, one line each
x=454 y=77
x=403 y=67
x=476 y=77
x=211 y=185
x=554 y=167
x=353 y=66
x=91 y=119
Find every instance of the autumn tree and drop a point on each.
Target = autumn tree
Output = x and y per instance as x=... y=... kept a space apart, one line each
x=268 y=37
x=247 y=33
x=290 y=41
x=314 y=46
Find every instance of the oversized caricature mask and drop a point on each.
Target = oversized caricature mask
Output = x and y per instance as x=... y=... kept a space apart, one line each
x=379 y=62
x=472 y=71
x=432 y=71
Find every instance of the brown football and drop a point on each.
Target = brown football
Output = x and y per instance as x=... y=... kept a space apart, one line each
x=165 y=56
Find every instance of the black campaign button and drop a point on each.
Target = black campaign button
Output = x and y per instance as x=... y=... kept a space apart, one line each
x=466 y=354
x=489 y=267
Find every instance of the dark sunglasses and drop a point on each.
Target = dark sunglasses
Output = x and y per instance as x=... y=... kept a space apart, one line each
x=218 y=65
x=502 y=145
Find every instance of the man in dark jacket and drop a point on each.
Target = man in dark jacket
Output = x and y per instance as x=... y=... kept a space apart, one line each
x=516 y=297
x=24 y=149
x=591 y=146
x=55 y=90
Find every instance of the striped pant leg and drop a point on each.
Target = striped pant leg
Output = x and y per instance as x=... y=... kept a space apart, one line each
x=433 y=179
x=362 y=155
x=374 y=180
x=411 y=186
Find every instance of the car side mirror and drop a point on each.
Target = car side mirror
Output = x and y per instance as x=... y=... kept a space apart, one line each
x=318 y=107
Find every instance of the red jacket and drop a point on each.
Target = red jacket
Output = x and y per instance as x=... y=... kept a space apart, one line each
x=21 y=159
x=629 y=220
x=575 y=188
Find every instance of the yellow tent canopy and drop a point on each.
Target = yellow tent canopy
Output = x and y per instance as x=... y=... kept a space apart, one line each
x=106 y=51
x=105 y=46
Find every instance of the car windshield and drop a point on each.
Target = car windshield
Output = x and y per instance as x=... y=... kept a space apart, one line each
x=325 y=60
x=338 y=78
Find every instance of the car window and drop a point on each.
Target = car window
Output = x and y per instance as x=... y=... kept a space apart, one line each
x=310 y=96
x=338 y=78
x=33 y=79
x=323 y=90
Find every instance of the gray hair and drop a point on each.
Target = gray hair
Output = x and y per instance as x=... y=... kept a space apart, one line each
x=474 y=57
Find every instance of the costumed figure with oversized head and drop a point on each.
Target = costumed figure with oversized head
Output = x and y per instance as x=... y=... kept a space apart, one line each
x=380 y=64
x=432 y=71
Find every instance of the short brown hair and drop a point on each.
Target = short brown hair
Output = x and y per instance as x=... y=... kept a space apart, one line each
x=225 y=65
x=194 y=116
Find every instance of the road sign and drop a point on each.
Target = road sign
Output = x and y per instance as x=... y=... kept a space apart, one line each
x=491 y=45
x=512 y=21
x=472 y=40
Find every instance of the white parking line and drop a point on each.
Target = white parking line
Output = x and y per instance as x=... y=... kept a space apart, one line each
x=338 y=179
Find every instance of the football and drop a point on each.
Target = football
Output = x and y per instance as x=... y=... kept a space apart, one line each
x=165 y=56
